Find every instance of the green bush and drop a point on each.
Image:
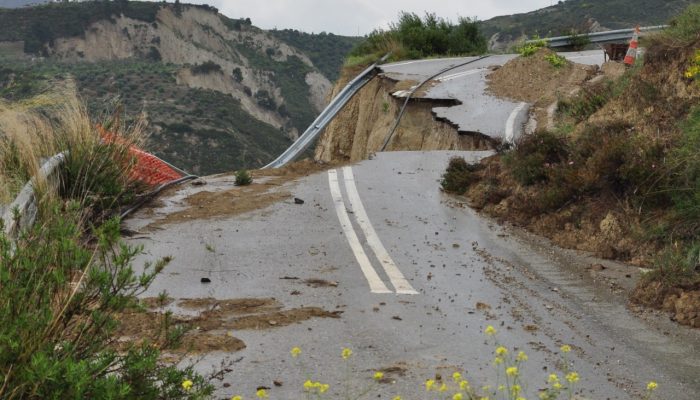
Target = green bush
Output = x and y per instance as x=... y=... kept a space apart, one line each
x=555 y=60
x=206 y=68
x=684 y=175
x=528 y=49
x=59 y=297
x=530 y=161
x=416 y=37
x=685 y=28
x=459 y=175
x=243 y=178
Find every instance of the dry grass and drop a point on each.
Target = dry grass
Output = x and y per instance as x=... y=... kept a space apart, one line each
x=57 y=121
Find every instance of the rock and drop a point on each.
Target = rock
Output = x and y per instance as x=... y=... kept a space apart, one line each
x=597 y=267
x=610 y=227
x=298 y=201
x=670 y=303
x=687 y=308
x=205 y=280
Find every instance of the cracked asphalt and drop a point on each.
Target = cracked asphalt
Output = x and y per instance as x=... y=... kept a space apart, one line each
x=468 y=273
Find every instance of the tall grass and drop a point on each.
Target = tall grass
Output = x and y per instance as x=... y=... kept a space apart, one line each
x=64 y=281
x=97 y=173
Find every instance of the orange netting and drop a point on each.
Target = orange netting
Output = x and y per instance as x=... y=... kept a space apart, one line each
x=149 y=168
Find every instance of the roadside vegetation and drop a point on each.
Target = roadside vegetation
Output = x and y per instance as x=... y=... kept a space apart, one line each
x=620 y=172
x=560 y=382
x=65 y=281
x=414 y=37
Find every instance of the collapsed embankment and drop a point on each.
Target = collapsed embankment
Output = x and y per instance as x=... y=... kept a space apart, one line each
x=614 y=171
x=364 y=124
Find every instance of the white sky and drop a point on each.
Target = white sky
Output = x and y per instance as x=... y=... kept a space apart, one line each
x=353 y=17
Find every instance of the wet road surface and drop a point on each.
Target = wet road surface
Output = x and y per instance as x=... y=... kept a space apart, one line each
x=422 y=303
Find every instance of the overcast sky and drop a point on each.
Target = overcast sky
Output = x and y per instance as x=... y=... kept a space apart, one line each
x=350 y=17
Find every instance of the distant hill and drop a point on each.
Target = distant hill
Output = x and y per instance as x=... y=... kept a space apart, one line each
x=582 y=16
x=20 y=3
x=219 y=93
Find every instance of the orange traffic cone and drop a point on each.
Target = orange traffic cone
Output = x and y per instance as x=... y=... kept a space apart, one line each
x=632 y=51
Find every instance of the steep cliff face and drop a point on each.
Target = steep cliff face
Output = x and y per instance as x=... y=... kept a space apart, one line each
x=219 y=93
x=362 y=127
x=198 y=36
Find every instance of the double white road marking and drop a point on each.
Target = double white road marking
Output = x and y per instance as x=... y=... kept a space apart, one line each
x=376 y=285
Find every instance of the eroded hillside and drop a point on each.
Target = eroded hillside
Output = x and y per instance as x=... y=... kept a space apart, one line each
x=219 y=93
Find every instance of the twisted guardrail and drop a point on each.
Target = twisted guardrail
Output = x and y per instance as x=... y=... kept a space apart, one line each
x=325 y=117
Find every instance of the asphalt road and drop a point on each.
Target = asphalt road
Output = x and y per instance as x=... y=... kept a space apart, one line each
x=419 y=276
x=474 y=110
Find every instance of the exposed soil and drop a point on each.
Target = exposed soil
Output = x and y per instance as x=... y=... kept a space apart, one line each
x=263 y=192
x=534 y=80
x=211 y=329
x=602 y=222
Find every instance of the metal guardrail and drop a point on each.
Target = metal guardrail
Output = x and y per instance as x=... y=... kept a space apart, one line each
x=600 y=37
x=326 y=116
x=22 y=212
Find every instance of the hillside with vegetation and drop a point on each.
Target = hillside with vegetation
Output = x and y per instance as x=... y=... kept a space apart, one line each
x=581 y=16
x=615 y=171
x=218 y=93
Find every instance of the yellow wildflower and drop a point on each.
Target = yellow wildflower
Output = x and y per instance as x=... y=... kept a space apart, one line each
x=512 y=371
x=396 y=398
x=521 y=356
x=501 y=388
x=457 y=377
x=323 y=388
x=457 y=396
x=295 y=351
x=443 y=388
x=557 y=385
x=497 y=361
x=572 y=377
x=490 y=330
x=346 y=353
x=501 y=351
x=308 y=385
x=553 y=378
x=187 y=384
x=520 y=398
x=565 y=348
x=261 y=393
x=429 y=384
x=236 y=398
x=378 y=375
x=464 y=384
x=516 y=389
x=652 y=386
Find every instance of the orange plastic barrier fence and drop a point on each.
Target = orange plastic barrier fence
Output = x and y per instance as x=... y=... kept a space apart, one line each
x=149 y=168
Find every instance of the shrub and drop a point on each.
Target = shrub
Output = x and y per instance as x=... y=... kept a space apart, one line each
x=416 y=37
x=243 y=178
x=528 y=49
x=555 y=60
x=206 y=68
x=535 y=154
x=459 y=175
x=59 y=297
x=685 y=28
x=585 y=103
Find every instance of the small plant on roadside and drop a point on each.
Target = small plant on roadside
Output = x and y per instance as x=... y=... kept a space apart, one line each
x=555 y=60
x=243 y=178
x=510 y=383
x=693 y=71
x=385 y=107
x=531 y=47
x=459 y=175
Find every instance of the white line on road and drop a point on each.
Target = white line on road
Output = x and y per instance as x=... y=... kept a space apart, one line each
x=510 y=124
x=375 y=283
x=392 y=271
x=459 y=74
